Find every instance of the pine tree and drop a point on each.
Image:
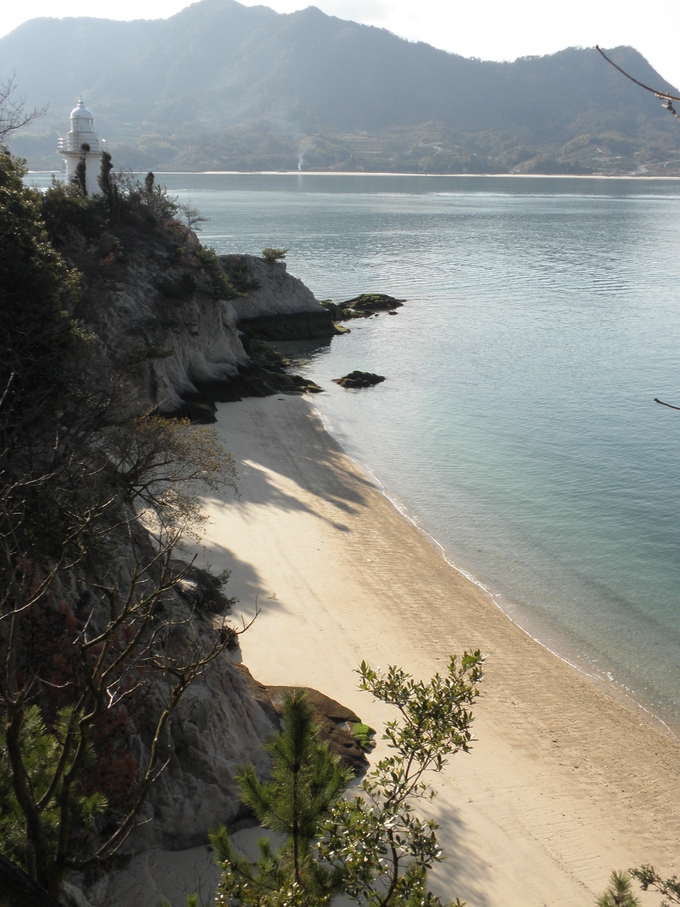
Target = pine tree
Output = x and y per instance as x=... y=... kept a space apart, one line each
x=305 y=780
x=372 y=848
x=80 y=178
x=619 y=893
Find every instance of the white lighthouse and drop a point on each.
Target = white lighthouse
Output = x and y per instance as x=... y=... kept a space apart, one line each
x=82 y=144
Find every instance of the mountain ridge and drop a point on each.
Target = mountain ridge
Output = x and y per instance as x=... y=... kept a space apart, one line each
x=224 y=86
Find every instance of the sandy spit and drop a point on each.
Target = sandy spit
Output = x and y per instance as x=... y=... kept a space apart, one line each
x=564 y=783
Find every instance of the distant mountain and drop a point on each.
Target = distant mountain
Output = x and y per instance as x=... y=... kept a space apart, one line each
x=223 y=86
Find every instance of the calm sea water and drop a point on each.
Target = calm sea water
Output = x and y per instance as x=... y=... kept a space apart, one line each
x=517 y=422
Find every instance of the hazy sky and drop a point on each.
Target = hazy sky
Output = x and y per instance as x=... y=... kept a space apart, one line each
x=492 y=30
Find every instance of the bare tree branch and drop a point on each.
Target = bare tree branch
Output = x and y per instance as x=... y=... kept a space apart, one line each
x=661 y=95
x=669 y=405
x=13 y=113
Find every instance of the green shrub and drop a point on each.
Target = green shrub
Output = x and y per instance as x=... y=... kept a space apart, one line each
x=63 y=211
x=221 y=288
x=273 y=254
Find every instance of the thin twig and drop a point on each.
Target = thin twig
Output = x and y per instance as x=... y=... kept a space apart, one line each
x=669 y=405
x=654 y=91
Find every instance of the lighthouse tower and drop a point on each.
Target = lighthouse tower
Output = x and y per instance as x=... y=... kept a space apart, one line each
x=82 y=144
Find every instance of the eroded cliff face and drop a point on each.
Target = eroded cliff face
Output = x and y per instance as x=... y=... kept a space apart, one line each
x=165 y=319
x=119 y=628
x=168 y=316
x=270 y=289
x=218 y=727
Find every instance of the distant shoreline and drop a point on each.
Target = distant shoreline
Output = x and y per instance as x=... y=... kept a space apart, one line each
x=513 y=176
x=524 y=176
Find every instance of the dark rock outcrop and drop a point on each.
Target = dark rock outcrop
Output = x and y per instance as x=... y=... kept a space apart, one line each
x=359 y=379
x=363 y=306
x=370 y=303
x=296 y=326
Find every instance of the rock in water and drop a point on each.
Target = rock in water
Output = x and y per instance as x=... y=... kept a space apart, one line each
x=363 y=306
x=359 y=379
x=369 y=303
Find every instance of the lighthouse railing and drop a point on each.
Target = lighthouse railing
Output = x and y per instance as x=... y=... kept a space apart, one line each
x=74 y=142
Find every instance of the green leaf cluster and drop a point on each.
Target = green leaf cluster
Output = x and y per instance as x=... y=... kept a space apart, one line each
x=669 y=889
x=39 y=340
x=385 y=849
x=372 y=847
x=221 y=288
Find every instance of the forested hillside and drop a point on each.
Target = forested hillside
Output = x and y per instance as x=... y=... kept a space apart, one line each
x=223 y=86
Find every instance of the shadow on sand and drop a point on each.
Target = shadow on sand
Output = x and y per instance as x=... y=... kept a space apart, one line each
x=463 y=870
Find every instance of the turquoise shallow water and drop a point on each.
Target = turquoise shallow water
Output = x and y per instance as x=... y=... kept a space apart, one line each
x=517 y=421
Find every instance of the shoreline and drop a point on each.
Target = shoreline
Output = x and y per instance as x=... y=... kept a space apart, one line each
x=559 y=789
x=560 y=645
x=561 y=176
x=537 y=176
x=560 y=649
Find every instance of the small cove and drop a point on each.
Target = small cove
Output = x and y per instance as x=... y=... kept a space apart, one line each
x=517 y=421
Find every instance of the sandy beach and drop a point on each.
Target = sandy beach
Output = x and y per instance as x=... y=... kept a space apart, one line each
x=564 y=783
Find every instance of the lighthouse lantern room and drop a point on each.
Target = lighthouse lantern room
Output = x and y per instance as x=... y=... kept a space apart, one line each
x=82 y=144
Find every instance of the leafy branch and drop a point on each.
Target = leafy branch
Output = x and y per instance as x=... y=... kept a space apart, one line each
x=372 y=848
